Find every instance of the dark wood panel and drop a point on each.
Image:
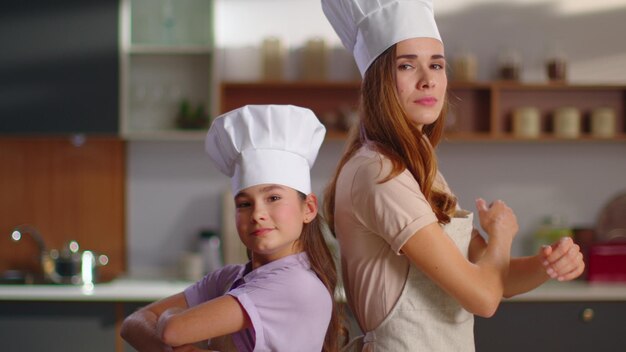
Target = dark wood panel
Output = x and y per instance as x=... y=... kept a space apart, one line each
x=69 y=189
x=321 y=97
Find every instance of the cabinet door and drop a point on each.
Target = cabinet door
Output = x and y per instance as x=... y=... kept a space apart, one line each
x=59 y=66
x=166 y=68
x=58 y=326
x=553 y=326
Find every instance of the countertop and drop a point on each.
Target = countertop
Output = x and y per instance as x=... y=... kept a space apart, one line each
x=118 y=290
x=147 y=290
x=577 y=290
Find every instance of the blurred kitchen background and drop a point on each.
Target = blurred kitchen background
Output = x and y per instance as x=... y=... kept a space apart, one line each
x=538 y=179
x=104 y=105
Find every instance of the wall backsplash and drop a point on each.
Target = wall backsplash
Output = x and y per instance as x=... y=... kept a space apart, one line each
x=174 y=190
x=585 y=31
x=67 y=188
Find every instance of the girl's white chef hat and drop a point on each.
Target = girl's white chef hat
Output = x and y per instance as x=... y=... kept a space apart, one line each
x=258 y=144
x=367 y=28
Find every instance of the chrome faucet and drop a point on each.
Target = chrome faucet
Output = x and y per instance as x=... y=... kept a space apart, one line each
x=18 y=231
x=66 y=267
x=47 y=264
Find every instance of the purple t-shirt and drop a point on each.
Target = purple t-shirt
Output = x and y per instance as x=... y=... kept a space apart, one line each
x=288 y=305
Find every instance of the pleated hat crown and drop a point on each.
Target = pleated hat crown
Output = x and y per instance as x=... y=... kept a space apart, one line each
x=266 y=144
x=369 y=27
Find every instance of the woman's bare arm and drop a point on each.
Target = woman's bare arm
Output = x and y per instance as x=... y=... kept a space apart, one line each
x=478 y=286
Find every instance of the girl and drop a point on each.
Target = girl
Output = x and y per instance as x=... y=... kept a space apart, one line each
x=414 y=269
x=282 y=300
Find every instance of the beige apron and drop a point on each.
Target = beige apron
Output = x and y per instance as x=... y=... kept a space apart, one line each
x=425 y=318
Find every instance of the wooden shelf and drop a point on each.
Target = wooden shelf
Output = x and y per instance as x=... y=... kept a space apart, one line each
x=478 y=111
x=167 y=135
x=170 y=50
x=319 y=96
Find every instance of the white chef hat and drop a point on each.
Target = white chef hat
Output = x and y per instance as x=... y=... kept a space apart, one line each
x=367 y=28
x=258 y=144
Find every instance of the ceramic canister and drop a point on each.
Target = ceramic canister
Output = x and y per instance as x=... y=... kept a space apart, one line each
x=526 y=122
x=465 y=68
x=567 y=122
x=273 y=57
x=314 y=59
x=603 y=122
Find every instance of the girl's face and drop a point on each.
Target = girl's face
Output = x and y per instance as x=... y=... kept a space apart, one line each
x=421 y=82
x=270 y=218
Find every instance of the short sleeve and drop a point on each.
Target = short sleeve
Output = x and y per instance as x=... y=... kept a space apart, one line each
x=212 y=285
x=394 y=209
x=289 y=310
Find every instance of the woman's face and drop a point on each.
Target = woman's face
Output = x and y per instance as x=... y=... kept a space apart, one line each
x=421 y=82
x=270 y=219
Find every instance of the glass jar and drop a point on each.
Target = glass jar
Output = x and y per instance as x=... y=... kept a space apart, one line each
x=552 y=229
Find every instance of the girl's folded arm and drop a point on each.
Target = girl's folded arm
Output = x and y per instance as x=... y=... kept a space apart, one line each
x=139 y=328
x=217 y=317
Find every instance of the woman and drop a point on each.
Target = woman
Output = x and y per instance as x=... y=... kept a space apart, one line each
x=414 y=268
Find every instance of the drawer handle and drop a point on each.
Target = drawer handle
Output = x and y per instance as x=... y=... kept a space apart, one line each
x=587 y=315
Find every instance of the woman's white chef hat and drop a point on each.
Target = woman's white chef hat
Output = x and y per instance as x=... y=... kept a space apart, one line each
x=258 y=144
x=367 y=28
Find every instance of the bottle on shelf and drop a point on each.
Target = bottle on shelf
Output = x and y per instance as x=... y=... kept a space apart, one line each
x=210 y=248
x=556 y=66
x=510 y=66
x=273 y=56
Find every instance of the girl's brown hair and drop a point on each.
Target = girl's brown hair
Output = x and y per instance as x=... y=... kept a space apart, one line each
x=322 y=262
x=384 y=123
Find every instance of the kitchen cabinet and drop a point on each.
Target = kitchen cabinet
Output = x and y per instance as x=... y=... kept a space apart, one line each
x=167 y=58
x=477 y=111
x=71 y=318
x=64 y=326
x=557 y=316
x=553 y=326
x=59 y=67
x=58 y=326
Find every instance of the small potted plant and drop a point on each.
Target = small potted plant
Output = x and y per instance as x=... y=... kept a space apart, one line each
x=189 y=118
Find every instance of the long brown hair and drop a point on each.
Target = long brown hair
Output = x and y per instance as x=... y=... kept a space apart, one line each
x=322 y=262
x=384 y=123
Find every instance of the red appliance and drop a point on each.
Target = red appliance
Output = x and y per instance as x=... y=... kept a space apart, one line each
x=607 y=262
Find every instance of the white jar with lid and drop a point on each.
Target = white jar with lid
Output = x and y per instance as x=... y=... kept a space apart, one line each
x=526 y=122
x=465 y=68
x=603 y=122
x=567 y=122
x=191 y=266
